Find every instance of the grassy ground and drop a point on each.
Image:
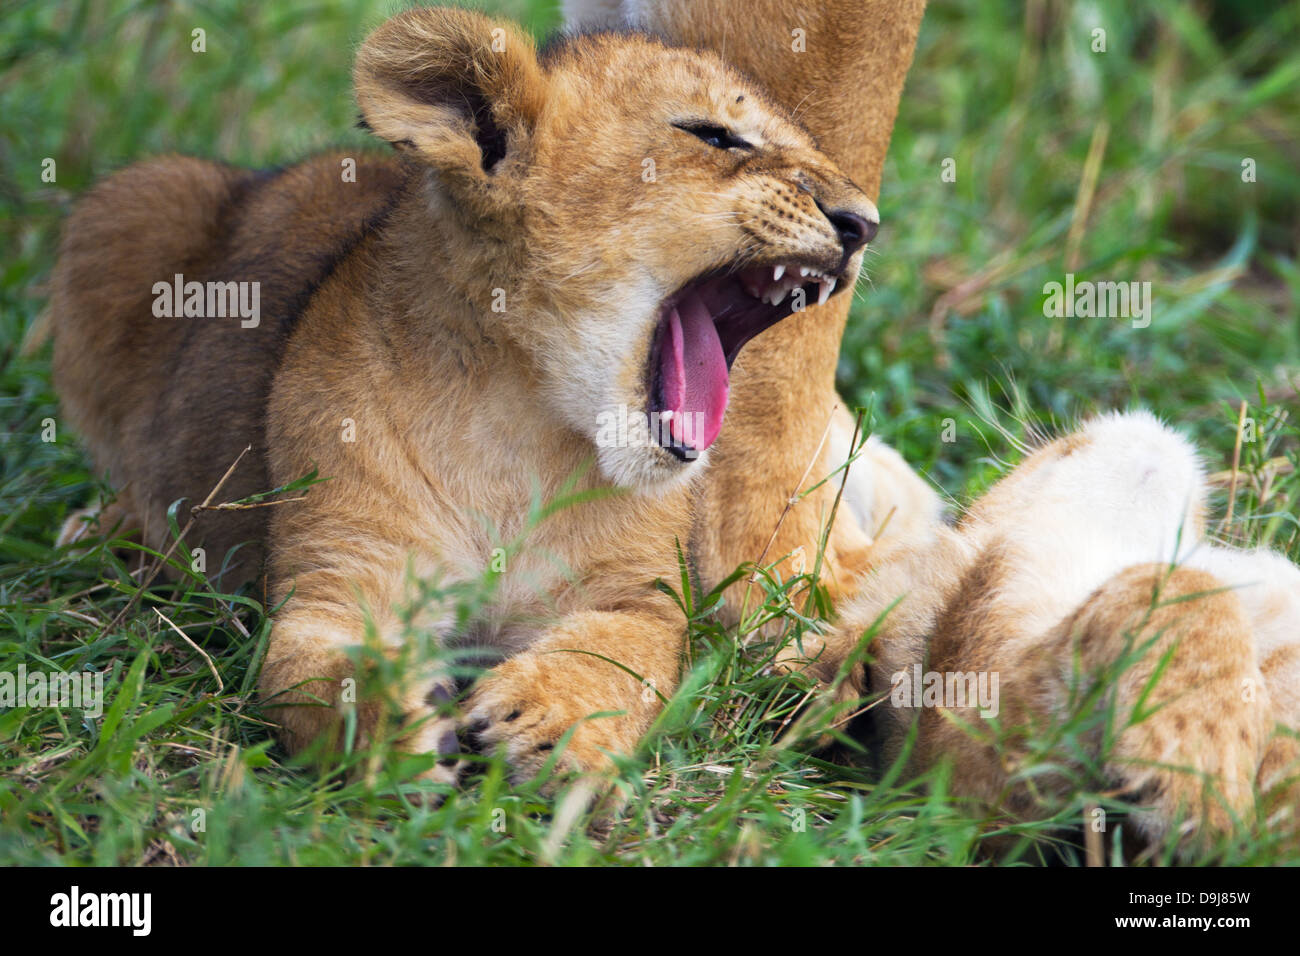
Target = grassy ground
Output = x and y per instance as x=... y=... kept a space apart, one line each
x=181 y=767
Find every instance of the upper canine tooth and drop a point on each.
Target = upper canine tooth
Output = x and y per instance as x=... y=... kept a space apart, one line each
x=827 y=286
x=777 y=272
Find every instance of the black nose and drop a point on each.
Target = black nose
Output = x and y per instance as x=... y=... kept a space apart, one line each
x=854 y=231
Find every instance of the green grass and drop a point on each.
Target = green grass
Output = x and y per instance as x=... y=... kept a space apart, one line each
x=950 y=326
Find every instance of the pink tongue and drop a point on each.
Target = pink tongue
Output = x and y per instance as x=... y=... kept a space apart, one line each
x=694 y=375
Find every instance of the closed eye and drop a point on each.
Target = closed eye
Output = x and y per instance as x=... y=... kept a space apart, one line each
x=719 y=137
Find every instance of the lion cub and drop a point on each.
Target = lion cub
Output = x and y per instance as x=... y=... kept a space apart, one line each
x=560 y=266
x=1091 y=557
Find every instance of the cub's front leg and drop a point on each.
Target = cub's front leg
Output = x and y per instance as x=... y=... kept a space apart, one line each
x=310 y=684
x=341 y=576
x=342 y=583
x=603 y=672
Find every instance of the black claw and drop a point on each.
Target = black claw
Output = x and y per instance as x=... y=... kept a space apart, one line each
x=448 y=744
x=439 y=697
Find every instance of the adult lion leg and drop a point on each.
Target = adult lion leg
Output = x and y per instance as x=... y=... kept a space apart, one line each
x=838 y=66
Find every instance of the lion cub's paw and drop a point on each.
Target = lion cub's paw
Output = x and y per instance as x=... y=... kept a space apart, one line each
x=433 y=731
x=527 y=704
x=1191 y=763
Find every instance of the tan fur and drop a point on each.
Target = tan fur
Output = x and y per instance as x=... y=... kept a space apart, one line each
x=844 y=86
x=167 y=405
x=1059 y=572
x=520 y=178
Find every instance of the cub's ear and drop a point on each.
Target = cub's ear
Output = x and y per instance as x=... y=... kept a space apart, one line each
x=459 y=90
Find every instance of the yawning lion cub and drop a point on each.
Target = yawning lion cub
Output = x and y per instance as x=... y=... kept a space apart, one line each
x=566 y=241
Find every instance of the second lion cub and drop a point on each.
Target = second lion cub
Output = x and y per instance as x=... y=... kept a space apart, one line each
x=563 y=242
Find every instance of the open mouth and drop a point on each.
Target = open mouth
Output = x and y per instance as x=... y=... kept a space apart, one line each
x=702 y=328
